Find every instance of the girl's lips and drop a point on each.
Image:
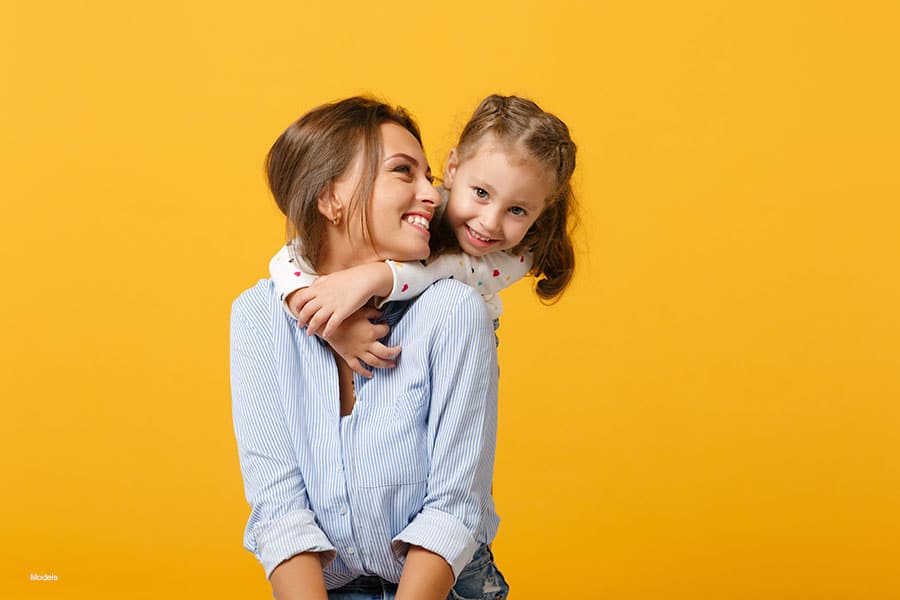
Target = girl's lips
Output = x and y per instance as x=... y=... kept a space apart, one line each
x=478 y=242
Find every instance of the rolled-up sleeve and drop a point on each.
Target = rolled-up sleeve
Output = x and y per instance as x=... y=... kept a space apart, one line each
x=281 y=523
x=462 y=427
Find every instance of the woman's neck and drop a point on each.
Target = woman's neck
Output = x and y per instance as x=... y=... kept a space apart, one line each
x=339 y=253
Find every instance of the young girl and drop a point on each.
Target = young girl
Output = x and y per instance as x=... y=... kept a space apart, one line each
x=508 y=201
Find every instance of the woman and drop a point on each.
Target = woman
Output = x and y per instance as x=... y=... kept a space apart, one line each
x=359 y=484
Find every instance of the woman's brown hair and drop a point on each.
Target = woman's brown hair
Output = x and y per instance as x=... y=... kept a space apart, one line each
x=521 y=125
x=316 y=150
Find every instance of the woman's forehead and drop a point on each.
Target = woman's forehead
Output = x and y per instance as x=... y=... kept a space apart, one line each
x=396 y=138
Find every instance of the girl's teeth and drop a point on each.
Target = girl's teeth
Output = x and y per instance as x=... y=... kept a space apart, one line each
x=478 y=237
x=417 y=220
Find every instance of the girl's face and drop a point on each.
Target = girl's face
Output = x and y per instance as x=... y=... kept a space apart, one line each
x=403 y=200
x=496 y=195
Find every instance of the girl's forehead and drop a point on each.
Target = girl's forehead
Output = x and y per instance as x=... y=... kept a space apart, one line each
x=489 y=144
x=490 y=151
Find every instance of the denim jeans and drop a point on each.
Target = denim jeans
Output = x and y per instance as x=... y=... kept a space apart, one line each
x=479 y=580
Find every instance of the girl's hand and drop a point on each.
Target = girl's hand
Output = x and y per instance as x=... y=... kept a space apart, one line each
x=356 y=341
x=324 y=305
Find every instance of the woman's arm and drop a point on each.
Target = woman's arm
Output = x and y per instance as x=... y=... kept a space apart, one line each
x=281 y=524
x=299 y=578
x=457 y=511
x=426 y=576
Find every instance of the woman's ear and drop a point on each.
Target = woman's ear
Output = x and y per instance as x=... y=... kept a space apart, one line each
x=450 y=169
x=329 y=205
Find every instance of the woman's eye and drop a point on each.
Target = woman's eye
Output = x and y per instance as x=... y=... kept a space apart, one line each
x=517 y=211
x=481 y=192
x=405 y=169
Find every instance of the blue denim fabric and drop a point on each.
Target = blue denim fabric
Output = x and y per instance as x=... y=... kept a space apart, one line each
x=480 y=580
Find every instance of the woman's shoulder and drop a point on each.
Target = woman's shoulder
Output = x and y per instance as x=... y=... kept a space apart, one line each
x=257 y=305
x=451 y=299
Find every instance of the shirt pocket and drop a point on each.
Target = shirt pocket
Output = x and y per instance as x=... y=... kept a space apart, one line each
x=398 y=452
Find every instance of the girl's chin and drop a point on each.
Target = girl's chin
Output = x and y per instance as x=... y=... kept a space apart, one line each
x=472 y=251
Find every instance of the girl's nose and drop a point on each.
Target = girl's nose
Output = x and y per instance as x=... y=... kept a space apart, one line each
x=490 y=220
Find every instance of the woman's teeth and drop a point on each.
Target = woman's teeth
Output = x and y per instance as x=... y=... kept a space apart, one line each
x=417 y=220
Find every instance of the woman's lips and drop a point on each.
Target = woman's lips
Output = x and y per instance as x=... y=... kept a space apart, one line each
x=418 y=222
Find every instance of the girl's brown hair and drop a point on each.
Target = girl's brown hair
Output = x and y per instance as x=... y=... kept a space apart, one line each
x=522 y=125
x=316 y=150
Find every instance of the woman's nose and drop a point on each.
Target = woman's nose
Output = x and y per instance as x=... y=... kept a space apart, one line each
x=431 y=195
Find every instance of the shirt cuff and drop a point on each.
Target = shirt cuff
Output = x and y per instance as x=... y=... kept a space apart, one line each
x=438 y=532
x=295 y=532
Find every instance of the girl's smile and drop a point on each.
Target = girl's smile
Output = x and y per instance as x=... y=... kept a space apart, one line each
x=496 y=195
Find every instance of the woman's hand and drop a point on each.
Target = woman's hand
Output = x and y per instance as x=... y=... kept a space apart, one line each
x=356 y=341
x=324 y=305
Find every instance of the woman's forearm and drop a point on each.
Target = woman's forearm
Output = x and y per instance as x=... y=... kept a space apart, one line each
x=299 y=578
x=426 y=576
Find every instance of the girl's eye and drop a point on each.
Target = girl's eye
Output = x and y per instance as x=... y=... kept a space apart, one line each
x=405 y=169
x=481 y=192
x=517 y=211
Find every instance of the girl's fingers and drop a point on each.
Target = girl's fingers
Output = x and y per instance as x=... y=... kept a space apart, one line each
x=378 y=363
x=306 y=313
x=381 y=330
x=383 y=352
x=318 y=321
x=337 y=317
x=296 y=300
x=358 y=368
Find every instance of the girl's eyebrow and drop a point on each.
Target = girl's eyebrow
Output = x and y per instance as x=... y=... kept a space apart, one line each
x=486 y=186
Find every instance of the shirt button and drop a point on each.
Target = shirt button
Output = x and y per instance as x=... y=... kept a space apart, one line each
x=343 y=510
x=351 y=550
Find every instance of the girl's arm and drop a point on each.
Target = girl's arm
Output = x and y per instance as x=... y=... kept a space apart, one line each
x=290 y=273
x=337 y=296
x=331 y=298
x=487 y=274
x=281 y=523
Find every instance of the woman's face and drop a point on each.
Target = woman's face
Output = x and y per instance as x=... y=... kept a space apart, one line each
x=403 y=199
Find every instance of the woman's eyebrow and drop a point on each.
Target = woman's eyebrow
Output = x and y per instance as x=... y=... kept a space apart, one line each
x=403 y=155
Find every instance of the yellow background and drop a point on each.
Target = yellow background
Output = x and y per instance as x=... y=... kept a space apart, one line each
x=712 y=411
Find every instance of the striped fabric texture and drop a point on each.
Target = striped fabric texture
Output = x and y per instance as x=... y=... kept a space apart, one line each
x=413 y=462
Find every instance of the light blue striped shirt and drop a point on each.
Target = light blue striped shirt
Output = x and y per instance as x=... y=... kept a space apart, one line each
x=413 y=462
